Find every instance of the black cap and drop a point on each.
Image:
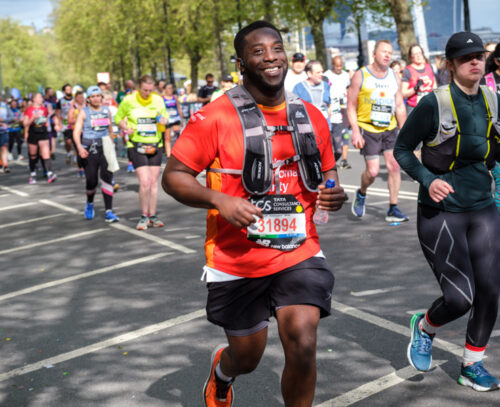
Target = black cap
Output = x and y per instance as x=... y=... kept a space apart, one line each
x=227 y=78
x=299 y=56
x=463 y=43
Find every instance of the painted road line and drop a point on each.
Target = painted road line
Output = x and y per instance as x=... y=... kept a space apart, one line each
x=59 y=239
x=495 y=333
x=413 y=312
x=376 y=386
x=129 y=336
x=4 y=195
x=22 y=222
x=391 y=326
x=379 y=203
x=381 y=190
x=192 y=237
x=8 y=208
x=60 y=206
x=384 y=194
x=174 y=229
x=153 y=238
x=14 y=191
x=377 y=291
x=54 y=283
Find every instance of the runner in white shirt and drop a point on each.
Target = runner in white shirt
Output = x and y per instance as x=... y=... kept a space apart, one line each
x=297 y=73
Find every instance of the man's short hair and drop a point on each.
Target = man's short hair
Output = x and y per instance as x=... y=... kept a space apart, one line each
x=209 y=75
x=310 y=64
x=381 y=42
x=239 y=39
x=146 y=79
x=64 y=86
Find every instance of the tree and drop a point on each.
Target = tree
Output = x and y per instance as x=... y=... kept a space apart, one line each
x=401 y=12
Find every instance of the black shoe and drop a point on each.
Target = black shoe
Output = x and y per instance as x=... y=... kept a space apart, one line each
x=345 y=165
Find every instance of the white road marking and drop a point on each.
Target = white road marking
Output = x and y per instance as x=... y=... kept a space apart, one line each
x=7 y=208
x=22 y=222
x=192 y=237
x=174 y=229
x=382 y=192
x=4 y=195
x=60 y=206
x=495 y=333
x=54 y=283
x=376 y=386
x=153 y=238
x=379 y=203
x=391 y=326
x=14 y=191
x=376 y=291
x=413 y=312
x=129 y=336
x=47 y=242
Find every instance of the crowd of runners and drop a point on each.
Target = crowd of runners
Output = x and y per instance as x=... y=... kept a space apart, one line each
x=268 y=142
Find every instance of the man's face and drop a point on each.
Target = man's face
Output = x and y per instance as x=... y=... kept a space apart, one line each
x=129 y=85
x=265 y=60
x=67 y=91
x=298 y=66
x=315 y=75
x=383 y=54
x=469 y=68
x=337 y=65
x=146 y=89
x=95 y=100
x=210 y=81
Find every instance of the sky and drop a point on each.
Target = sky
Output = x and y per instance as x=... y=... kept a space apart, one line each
x=484 y=13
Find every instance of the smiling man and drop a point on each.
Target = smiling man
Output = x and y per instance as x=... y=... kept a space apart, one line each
x=267 y=156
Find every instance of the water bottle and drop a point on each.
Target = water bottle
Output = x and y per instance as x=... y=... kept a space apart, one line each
x=321 y=216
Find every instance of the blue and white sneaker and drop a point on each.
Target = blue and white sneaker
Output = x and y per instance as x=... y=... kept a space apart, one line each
x=420 y=347
x=395 y=215
x=477 y=377
x=130 y=167
x=358 y=205
x=89 y=211
x=111 y=217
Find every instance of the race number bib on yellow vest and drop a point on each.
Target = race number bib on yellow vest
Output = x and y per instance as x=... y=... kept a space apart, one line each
x=283 y=225
x=381 y=115
x=146 y=126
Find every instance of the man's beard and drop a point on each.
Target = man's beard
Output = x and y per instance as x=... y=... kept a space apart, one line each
x=259 y=82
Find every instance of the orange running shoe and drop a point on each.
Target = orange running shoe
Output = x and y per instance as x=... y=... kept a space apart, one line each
x=216 y=392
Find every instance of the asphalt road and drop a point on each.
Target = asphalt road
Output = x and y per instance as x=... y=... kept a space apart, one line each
x=93 y=314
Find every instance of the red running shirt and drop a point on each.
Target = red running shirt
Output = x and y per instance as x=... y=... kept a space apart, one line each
x=214 y=138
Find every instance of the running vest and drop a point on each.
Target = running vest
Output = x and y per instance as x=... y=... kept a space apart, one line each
x=428 y=80
x=171 y=106
x=490 y=81
x=65 y=105
x=257 y=173
x=440 y=154
x=377 y=102
x=96 y=124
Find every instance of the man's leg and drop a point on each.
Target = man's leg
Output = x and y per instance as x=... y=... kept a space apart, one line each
x=243 y=353
x=394 y=176
x=145 y=182
x=370 y=173
x=154 y=175
x=297 y=325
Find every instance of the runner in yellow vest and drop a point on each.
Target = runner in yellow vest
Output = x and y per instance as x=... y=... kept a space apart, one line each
x=139 y=116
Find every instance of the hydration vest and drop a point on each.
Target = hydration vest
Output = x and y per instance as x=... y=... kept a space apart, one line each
x=258 y=167
x=490 y=81
x=440 y=154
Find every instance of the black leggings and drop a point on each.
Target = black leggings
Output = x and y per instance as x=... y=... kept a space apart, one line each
x=16 y=137
x=92 y=164
x=463 y=250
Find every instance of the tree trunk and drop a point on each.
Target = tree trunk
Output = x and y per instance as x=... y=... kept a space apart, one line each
x=401 y=12
x=194 y=60
x=219 y=44
x=319 y=42
x=268 y=10
x=361 y=56
x=466 y=16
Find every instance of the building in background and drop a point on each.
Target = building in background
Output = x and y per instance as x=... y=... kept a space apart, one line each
x=442 y=18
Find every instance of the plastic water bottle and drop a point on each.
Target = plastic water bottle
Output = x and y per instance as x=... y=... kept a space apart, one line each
x=321 y=216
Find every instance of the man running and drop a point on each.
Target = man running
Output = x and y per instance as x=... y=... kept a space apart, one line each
x=263 y=253
x=205 y=92
x=339 y=82
x=92 y=125
x=138 y=116
x=375 y=109
x=62 y=110
x=296 y=74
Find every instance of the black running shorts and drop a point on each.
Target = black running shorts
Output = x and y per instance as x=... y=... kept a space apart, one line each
x=245 y=303
x=141 y=160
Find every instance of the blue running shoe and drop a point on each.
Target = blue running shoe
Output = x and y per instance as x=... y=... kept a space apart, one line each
x=111 y=217
x=395 y=215
x=358 y=205
x=420 y=347
x=89 y=211
x=130 y=167
x=477 y=377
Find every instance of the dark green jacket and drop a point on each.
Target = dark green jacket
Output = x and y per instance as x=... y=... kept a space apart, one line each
x=470 y=177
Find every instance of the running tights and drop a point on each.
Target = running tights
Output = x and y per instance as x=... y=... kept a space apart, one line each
x=94 y=163
x=16 y=137
x=463 y=250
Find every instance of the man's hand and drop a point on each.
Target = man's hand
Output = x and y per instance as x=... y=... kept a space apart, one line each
x=439 y=189
x=357 y=139
x=237 y=211
x=330 y=199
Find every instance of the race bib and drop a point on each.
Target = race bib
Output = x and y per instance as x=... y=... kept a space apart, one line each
x=283 y=225
x=146 y=126
x=336 y=116
x=99 y=123
x=381 y=115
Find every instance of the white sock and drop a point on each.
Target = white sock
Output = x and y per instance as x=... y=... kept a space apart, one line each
x=426 y=326
x=472 y=355
x=221 y=375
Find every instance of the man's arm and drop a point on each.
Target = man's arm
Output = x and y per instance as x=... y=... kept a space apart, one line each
x=180 y=182
x=352 y=109
x=400 y=111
